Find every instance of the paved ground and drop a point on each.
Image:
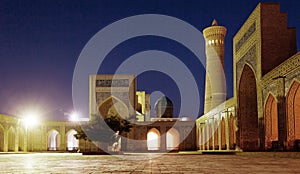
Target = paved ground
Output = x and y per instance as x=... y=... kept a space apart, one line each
x=149 y=163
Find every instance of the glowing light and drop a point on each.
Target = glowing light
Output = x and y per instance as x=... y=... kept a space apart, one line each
x=31 y=118
x=74 y=116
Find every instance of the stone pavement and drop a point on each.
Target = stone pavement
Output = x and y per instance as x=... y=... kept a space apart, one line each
x=149 y=163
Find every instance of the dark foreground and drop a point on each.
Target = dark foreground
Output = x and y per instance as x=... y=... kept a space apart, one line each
x=150 y=163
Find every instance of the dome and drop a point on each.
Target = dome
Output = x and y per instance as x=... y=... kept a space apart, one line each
x=164 y=108
x=164 y=101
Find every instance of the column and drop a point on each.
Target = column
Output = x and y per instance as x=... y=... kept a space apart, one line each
x=197 y=136
x=203 y=134
x=62 y=138
x=25 y=139
x=207 y=135
x=213 y=133
x=227 y=132
x=5 y=138
x=163 y=138
x=220 y=133
x=16 y=145
x=282 y=137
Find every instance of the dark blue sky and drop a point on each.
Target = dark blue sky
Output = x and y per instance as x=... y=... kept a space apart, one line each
x=41 y=41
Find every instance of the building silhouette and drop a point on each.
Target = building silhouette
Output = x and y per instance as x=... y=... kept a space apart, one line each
x=263 y=114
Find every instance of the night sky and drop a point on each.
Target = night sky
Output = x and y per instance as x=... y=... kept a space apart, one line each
x=41 y=41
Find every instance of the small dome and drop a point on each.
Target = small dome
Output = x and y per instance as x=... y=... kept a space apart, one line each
x=214 y=23
x=164 y=101
x=164 y=108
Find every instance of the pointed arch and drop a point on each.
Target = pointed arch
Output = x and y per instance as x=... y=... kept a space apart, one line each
x=223 y=134
x=1 y=138
x=53 y=140
x=293 y=113
x=11 y=136
x=205 y=136
x=173 y=139
x=232 y=132
x=153 y=139
x=248 y=134
x=113 y=106
x=201 y=137
x=216 y=135
x=72 y=142
x=210 y=134
x=21 y=139
x=271 y=121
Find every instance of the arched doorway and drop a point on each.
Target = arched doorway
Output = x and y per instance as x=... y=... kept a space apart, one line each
x=115 y=108
x=200 y=138
x=1 y=138
x=271 y=121
x=153 y=139
x=53 y=140
x=173 y=138
x=232 y=132
x=72 y=142
x=223 y=135
x=210 y=134
x=248 y=134
x=293 y=114
x=205 y=137
x=216 y=135
x=11 y=139
x=21 y=139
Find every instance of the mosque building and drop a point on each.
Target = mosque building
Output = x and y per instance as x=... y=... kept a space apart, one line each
x=262 y=115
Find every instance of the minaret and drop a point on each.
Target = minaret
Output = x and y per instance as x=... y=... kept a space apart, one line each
x=215 y=86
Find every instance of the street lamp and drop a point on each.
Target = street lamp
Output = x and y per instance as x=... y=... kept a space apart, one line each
x=31 y=119
x=74 y=116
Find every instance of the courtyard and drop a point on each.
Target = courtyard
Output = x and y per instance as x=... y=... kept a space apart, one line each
x=259 y=162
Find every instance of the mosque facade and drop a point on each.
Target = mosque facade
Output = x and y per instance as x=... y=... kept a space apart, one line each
x=263 y=114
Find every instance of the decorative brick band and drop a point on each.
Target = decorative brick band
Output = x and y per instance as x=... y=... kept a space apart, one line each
x=245 y=37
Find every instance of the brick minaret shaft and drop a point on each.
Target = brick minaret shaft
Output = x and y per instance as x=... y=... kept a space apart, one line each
x=215 y=86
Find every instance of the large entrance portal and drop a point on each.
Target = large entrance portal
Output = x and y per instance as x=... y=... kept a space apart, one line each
x=113 y=106
x=248 y=138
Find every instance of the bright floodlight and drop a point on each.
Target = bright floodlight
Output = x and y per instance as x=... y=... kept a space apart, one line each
x=74 y=116
x=31 y=119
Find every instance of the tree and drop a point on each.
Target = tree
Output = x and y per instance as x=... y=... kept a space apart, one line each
x=103 y=130
x=81 y=135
